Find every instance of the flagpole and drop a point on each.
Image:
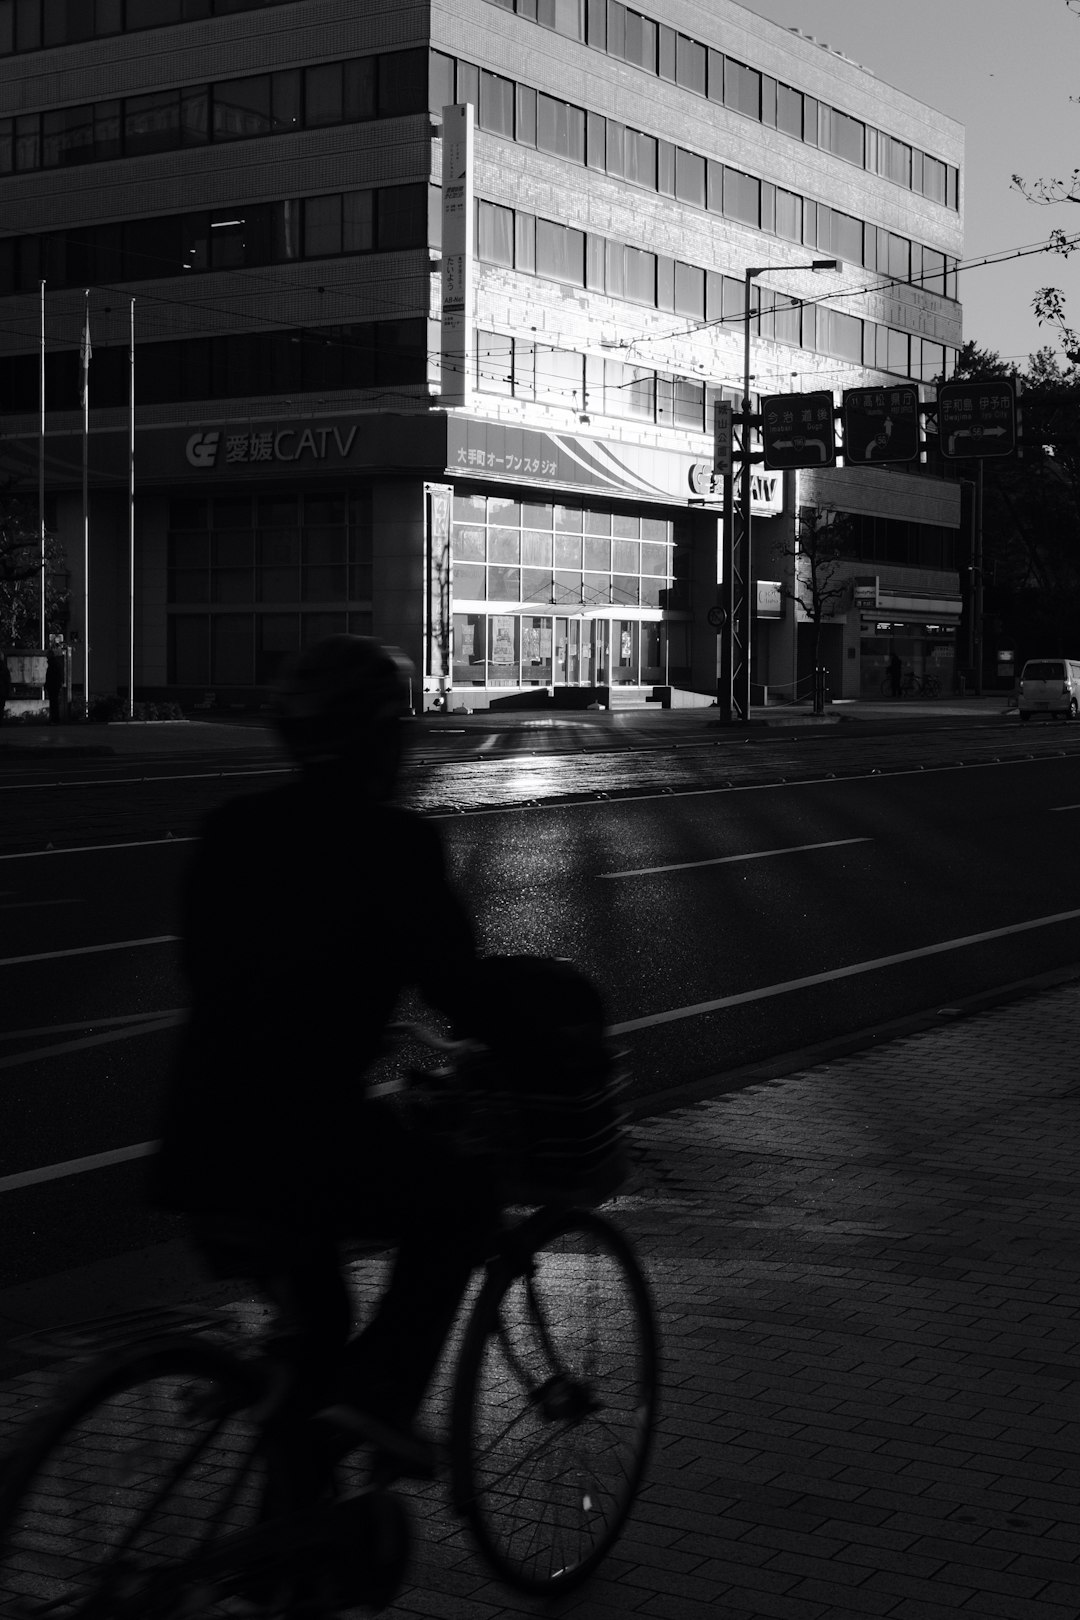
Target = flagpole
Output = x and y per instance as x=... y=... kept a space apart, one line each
x=86 y=498
x=131 y=514
x=41 y=469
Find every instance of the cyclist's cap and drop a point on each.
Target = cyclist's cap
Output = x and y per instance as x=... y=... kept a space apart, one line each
x=331 y=702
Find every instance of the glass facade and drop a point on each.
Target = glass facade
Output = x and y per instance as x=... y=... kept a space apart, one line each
x=390 y=85
x=254 y=578
x=580 y=563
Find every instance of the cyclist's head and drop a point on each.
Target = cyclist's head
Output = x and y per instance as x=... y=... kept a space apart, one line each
x=338 y=708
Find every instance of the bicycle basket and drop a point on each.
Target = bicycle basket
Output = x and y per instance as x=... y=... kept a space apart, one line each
x=542 y=1094
x=554 y=1139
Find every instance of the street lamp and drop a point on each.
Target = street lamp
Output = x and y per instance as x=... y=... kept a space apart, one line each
x=738 y=561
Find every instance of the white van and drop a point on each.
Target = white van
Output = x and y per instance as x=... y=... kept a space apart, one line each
x=1050 y=686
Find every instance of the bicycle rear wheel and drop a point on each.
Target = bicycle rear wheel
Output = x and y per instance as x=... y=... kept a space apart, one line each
x=149 y=1460
x=554 y=1401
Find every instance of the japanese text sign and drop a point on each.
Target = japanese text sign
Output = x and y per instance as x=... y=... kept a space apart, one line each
x=797 y=430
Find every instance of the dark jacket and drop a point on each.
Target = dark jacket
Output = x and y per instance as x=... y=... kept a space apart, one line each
x=307 y=915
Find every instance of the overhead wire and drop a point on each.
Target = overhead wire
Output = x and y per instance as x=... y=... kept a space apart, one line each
x=325 y=336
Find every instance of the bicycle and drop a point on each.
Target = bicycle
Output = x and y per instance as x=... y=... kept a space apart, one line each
x=909 y=686
x=142 y=1493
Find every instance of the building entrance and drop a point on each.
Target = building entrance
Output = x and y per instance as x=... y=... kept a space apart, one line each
x=577 y=645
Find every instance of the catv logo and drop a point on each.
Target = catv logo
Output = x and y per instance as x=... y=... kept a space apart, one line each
x=202 y=448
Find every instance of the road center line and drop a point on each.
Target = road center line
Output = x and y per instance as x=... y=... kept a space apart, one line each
x=726 y=860
x=93 y=849
x=90 y=950
x=75 y=1167
x=115 y=1021
x=106 y=1038
x=699 y=1008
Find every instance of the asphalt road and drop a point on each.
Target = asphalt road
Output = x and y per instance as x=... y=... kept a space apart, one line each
x=738 y=899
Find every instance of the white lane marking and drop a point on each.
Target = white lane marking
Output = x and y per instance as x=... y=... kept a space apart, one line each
x=726 y=860
x=75 y=1167
x=788 y=985
x=93 y=849
x=62 y=1048
x=92 y=1023
x=1054 y=808
x=128 y=781
x=29 y=905
x=90 y=950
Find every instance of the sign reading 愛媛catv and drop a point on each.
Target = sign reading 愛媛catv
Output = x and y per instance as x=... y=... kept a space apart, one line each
x=457 y=252
x=976 y=419
x=797 y=430
x=881 y=424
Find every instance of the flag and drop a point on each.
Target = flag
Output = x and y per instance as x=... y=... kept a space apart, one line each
x=85 y=354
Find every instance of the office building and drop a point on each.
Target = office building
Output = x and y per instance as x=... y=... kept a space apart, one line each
x=517 y=490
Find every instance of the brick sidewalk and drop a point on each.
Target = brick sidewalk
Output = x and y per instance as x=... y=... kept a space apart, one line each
x=868 y=1280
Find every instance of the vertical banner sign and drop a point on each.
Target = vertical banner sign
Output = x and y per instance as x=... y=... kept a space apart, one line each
x=458 y=225
x=437 y=652
x=722 y=419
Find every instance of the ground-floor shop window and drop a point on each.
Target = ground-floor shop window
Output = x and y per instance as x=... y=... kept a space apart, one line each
x=270 y=572
x=503 y=650
x=900 y=659
x=248 y=649
x=470 y=659
x=506 y=649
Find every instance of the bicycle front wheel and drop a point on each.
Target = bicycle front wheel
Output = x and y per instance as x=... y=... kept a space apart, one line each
x=145 y=1464
x=554 y=1401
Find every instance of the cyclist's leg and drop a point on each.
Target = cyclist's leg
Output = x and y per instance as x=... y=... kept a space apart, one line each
x=440 y=1213
x=295 y=1266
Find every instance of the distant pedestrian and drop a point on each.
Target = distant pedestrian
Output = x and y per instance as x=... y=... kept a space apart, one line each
x=896 y=672
x=54 y=685
x=5 y=684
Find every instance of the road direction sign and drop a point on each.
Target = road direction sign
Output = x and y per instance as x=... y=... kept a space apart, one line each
x=976 y=419
x=881 y=424
x=797 y=430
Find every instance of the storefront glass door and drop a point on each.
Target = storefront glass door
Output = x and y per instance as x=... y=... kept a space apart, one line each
x=578 y=651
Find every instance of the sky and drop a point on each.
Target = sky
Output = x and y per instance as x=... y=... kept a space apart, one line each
x=1006 y=70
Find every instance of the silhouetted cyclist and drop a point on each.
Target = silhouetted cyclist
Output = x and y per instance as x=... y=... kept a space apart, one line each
x=309 y=909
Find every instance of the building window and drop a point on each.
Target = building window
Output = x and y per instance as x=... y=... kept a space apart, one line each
x=742 y=88
x=789 y=110
x=560 y=128
x=560 y=252
x=690 y=60
x=742 y=197
x=496 y=104
x=689 y=177
x=495 y=234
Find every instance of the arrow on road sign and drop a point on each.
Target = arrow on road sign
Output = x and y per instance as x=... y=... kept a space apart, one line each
x=803 y=444
x=975 y=432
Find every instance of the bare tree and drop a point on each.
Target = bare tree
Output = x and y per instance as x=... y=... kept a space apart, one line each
x=817 y=578
x=20 y=575
x=1051 y=192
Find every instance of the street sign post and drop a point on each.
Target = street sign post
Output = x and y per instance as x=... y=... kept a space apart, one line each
x=797 y=430
x=723 y=414
x=976 y=419
x=881 y=424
